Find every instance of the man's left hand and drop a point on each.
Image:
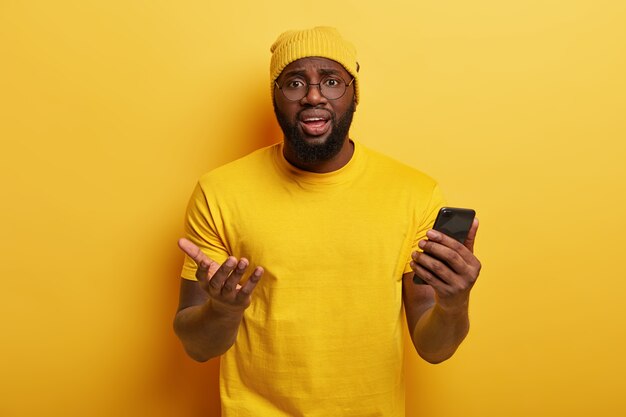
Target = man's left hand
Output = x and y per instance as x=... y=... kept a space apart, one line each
x=449 y=267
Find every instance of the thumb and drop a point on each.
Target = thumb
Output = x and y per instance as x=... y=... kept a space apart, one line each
x=471 y=236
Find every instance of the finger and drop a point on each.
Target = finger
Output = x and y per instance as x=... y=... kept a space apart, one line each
x=443 y=253
x=413 y=265
x=455 y=245
x=231 y=283
x=221 y=275
x=206 y=266
x=427 y=276
x=435 y=267
x=471 y=236
x=245 y=291
x=193 y=251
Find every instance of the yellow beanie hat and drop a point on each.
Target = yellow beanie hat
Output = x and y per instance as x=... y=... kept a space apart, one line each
x=322 y=41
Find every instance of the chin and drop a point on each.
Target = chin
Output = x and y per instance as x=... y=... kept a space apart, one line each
x=316 y=140
x=315 y=149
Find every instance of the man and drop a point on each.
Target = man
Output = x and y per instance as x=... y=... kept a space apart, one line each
x=336 y=232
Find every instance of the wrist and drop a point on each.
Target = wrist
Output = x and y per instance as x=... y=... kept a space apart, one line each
x=452 y=312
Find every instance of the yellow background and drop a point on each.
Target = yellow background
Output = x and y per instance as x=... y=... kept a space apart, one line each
x=110 y=111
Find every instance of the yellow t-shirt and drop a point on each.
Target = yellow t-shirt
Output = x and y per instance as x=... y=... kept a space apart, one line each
x=323 y=335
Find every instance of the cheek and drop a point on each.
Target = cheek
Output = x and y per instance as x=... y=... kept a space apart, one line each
x=347 y=103
x=288 y=110
x=341 y=110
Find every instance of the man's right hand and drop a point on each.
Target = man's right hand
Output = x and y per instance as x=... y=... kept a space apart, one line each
x=222 y=282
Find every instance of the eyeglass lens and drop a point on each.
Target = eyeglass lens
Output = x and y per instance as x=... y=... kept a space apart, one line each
x=330 y=87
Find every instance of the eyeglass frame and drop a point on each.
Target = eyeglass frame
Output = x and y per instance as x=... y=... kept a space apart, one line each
x=319 y=87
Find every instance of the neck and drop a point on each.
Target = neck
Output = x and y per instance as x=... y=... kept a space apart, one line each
x=321 y=167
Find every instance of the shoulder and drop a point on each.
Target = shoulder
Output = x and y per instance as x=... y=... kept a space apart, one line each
x=396 y=172
x=242 y=170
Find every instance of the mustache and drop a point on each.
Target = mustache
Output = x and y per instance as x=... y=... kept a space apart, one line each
x=333 y=115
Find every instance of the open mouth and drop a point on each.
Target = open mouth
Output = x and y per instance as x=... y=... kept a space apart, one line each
x=315 y=124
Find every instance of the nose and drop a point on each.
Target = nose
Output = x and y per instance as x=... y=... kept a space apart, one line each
x=314 y=95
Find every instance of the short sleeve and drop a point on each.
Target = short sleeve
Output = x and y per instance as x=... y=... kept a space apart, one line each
x=203 y=227
x=428 y=217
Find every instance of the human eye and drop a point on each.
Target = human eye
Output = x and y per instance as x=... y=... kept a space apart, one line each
x=294 y=84
x=332 y=82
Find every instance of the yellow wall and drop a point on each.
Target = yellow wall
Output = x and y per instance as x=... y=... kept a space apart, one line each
x=110 y=110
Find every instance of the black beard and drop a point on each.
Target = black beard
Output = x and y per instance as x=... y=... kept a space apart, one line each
x=312 y=153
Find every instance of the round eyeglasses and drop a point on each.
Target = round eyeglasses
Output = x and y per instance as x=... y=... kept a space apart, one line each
x=295 y=89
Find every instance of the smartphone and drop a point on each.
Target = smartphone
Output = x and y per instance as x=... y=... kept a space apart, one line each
x=454 y=222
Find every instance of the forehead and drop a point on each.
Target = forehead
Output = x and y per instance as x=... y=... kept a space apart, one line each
x=311 y=65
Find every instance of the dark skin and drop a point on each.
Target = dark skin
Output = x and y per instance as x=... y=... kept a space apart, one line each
x=437 y=313
x=211 y=309
x=314 y=70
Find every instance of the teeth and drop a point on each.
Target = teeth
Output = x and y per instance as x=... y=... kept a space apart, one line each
x=313 y=119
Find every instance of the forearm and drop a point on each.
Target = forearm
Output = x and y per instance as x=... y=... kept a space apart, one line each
x=439 y=333
x=205 y=332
